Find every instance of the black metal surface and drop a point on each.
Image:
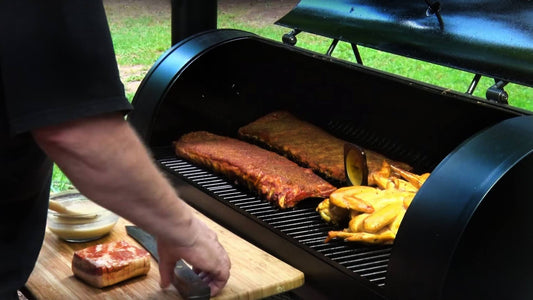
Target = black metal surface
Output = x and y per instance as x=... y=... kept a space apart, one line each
x=165 y=71
x=489 y=37
x=443 y=209
x=192 y=17
x=211 y=82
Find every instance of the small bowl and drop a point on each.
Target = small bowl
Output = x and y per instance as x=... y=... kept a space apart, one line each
x=84 y=229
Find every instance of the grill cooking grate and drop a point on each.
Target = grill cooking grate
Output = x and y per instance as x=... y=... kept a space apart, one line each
x=393 y=147
x=302 y=224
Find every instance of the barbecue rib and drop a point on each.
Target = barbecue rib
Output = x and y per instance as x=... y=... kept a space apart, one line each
x=307 y=144
x=278 y=179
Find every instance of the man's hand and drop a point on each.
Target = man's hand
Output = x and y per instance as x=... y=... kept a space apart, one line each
x=207 y=256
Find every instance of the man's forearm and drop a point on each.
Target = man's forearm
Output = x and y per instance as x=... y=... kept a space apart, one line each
x=107 y=162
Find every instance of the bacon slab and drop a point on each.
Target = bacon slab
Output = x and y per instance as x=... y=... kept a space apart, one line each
x=106 y=264
x=271 y=175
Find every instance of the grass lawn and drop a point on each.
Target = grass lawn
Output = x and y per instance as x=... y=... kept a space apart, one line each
x=141 y=39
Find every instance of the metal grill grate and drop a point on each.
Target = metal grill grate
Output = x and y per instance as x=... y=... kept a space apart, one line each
x=301 y=223
x=372 y=140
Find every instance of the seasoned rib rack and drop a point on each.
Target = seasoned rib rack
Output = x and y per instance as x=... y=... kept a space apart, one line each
x=307 y=144
x=271 y=175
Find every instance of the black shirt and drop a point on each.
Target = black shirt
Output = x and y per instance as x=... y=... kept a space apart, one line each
x=56 y=64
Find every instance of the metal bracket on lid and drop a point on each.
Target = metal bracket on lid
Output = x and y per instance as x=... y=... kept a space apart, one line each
x=497 y=93
x=473 y=84
x=494 y=93
x=354 y=49
x=332 y=47
x=290 y=38
x=434 y=9
x=356 y=53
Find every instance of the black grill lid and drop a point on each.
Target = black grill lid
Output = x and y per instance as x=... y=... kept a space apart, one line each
x=493 y=38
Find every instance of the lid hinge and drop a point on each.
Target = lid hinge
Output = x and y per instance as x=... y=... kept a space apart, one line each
x=290 y=39
x=497 y=93
x=494 y=93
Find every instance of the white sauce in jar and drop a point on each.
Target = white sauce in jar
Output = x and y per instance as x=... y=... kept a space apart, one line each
x=73 y=229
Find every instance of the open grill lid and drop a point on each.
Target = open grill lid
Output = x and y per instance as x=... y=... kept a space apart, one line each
x=493 y=38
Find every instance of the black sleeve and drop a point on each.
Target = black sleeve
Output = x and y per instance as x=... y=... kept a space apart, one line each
x=57 y=62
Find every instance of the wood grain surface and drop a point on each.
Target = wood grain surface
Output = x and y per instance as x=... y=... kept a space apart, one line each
x=255 y=274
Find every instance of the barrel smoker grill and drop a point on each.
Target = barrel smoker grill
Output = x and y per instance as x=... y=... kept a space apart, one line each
x=466 y=233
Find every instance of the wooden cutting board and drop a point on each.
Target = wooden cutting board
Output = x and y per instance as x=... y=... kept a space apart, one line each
x=255 y=274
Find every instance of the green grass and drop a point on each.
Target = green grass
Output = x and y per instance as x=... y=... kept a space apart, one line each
x=141 y=40
x=60 y=182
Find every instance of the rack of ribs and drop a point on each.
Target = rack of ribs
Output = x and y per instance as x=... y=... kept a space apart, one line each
x=271 y=175
x=308 y=145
